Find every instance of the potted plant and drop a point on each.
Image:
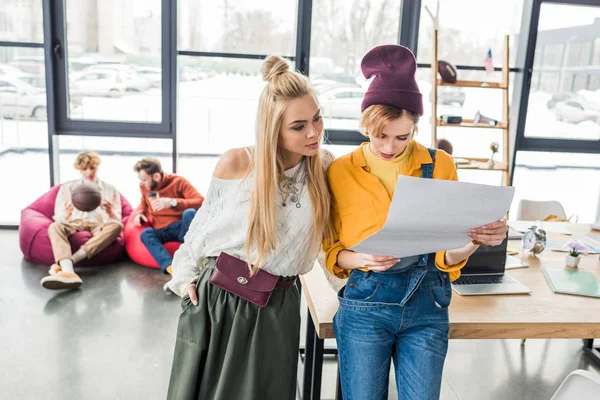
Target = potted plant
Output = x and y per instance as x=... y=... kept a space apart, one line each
x=494 y=146
x=573 y=258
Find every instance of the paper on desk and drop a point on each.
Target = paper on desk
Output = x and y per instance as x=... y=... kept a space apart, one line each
x=429 y=215
x=549 y=227
x=514 y=263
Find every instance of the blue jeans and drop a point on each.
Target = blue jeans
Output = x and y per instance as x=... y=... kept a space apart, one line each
x=384 y=317
x=155 y=238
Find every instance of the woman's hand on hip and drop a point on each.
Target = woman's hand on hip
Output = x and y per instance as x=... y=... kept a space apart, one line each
x=190 y=290
x=349 y=259
x=490 y=234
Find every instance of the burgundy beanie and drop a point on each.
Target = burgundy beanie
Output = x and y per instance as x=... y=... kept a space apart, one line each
x=394 y=69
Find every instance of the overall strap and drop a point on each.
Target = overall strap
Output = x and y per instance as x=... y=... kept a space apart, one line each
x=428 y=168
x=427 y=173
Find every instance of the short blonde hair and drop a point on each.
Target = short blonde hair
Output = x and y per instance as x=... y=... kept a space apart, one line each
x=377 y=116
x=86 y=159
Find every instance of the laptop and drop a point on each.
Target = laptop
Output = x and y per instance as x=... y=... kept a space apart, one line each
x=484 y=274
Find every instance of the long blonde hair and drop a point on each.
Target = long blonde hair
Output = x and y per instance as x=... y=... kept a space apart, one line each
x=282 y=86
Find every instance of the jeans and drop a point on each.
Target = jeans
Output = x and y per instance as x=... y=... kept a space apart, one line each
x=374 y=327
x=155 y=238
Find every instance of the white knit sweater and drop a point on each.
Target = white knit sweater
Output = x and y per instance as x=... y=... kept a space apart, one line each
x=221 y=223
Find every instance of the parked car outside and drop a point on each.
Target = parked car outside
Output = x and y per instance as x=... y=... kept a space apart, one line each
x=576 y=111
x=342 y=102
x=20 y=99
x=98 y=82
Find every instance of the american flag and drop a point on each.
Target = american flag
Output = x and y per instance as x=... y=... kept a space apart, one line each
x=488 y=64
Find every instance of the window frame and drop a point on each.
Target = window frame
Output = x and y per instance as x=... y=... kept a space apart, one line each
x=57 y=77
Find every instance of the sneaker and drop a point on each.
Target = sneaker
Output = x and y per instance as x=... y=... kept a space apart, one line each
x=54 y=269
x=61 y=280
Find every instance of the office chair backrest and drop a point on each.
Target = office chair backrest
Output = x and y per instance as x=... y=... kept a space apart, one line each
x=530 y=210
x=579 y=385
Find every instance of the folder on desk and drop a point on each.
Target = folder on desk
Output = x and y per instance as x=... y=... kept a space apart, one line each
x=572 y=281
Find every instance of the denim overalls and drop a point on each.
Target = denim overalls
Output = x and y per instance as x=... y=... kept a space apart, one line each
x=399 y=315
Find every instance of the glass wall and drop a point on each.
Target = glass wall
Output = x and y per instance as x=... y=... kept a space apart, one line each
x=114 y=60
x=23 y=117
x=226 y=26
x=564 y=101
x=114 y=73
x=342 y=33
x=217 y=108
x=571 y=179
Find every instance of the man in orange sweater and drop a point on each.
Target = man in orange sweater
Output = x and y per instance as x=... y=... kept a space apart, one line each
x=169 y=203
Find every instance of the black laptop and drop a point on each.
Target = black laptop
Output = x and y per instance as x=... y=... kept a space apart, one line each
x=484 y=274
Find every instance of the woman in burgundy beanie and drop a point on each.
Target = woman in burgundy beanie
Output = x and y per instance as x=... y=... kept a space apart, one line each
x=391 y=309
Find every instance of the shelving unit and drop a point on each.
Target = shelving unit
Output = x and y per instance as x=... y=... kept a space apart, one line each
x=468 y=162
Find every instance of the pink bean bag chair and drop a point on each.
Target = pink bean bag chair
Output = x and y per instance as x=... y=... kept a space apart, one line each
x=136 y=249
x=35 y=243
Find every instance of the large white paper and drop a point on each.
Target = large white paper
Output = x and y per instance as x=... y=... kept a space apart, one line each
x=429 y=215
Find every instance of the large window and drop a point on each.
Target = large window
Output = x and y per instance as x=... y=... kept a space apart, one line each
x=116 y=73
x=468 y=28
x=342 y=33
x=114 y=60
x=564 y=103
x=226 y=26
x=551 y=176
x=23 y=124
x=21 y=21
x=218 y=99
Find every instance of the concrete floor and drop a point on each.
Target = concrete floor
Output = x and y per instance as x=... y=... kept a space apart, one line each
x=114 y=339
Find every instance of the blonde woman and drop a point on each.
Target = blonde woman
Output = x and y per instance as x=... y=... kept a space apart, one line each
x=268 y=206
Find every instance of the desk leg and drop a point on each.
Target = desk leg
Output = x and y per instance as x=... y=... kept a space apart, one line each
x=338 y=385
x=591 y=351
x=309 y=354
x=317 y=368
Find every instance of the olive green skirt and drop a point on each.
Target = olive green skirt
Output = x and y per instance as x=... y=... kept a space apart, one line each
x=228 y=348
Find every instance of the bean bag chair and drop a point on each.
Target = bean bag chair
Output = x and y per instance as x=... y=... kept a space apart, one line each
x=136 y=249
x=35 y=243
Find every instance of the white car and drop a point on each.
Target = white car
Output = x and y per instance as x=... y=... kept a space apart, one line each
x=20 y=99
x=98 y=82
x=9 y=70
x=575 y=111
x=342 y=102
x=152 y=74
x=133 y=81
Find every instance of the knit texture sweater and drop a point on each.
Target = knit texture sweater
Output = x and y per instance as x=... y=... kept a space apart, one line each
x=222 y=222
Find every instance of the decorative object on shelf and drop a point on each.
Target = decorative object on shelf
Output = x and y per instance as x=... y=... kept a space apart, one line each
x=572 y=259
x=534 y=240
x=452 y=119
x=488 y=64
x=494 y=146
x=447 y=71
x=480 y=119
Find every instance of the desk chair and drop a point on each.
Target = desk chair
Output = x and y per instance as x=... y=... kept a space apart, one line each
x=580 y=385
x=530 y=210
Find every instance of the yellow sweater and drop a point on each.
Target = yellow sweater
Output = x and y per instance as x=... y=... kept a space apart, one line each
x=387 y=171
x=361 y=202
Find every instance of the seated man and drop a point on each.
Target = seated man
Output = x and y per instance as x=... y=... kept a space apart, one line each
x=171 y=202
x=104 y=223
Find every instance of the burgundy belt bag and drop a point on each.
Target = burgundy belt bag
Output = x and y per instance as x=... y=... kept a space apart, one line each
x=232 y=274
